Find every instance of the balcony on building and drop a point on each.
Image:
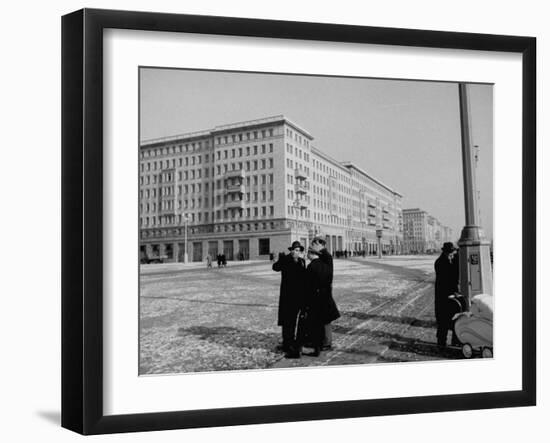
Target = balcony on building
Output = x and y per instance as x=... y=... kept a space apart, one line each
x=372 y=222
x=237 y=188
x=234 y=204
x=301 y=188
x=300 y=174
x=301 y=204
x=386 y=210
x=372 y=213
x=386 y=217
x=371 y=204
x=236 y=173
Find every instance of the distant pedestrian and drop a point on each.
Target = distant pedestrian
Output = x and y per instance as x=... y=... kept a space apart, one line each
x=219 y=259
x=208 y=261
x=292 y=267
x=224 y=261
x=446 y=286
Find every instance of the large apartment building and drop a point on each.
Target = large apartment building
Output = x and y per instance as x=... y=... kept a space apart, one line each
x=423 y=232
x=250 y=188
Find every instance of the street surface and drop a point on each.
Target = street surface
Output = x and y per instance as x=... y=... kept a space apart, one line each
x=193 y=319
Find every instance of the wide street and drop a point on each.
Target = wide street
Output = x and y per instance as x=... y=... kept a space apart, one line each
x=194 y=319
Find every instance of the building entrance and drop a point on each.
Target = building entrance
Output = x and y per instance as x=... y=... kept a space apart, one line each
x=228 y=249
x=244 y=249
x=197 y=251
x=213 y=249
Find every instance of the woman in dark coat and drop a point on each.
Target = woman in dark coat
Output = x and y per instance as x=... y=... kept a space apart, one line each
x=292 y=267
x=446 y=284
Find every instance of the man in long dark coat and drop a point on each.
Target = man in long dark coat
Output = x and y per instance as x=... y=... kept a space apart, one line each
x=319 y=307
x=331 y=312
x=446 y=285
x=292 y=267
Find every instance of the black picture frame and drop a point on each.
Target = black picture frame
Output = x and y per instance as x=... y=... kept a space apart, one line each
x=82 y=215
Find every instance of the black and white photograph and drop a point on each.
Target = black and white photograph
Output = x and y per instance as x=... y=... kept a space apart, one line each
x=290 y=221
x=266 y=222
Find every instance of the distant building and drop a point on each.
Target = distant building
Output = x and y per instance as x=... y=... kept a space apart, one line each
x=422 y=232
x=250 y=188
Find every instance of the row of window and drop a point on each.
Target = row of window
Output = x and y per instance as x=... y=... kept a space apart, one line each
x=174 y=149
x=297 y=137
x=291 y=164
x=203 y=217
x=195 y=174
x=361 y=184
x=250 y=180
x=249 y=165
x=294 y=150
x=245 y=136
x=328 y=171
x=244 y=151
x=255 y=180
x=197 y=160
x=234 y=214
x=172 y=163
x=199 y=203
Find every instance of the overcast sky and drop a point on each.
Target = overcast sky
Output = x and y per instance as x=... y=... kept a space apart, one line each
x=405 y=133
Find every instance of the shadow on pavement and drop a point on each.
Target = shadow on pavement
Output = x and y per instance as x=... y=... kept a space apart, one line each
x=419 y=347
x=413 y=321
x=229 y=336
x=401 y=344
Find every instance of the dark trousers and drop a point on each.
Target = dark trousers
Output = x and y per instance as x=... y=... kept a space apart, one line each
x=444 y=312
x=442 y=330
x=289 y=331
x=311 y=330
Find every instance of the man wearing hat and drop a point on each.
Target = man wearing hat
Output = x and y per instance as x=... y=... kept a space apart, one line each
x=446 y=285
x=330 y=310
x=292 y=267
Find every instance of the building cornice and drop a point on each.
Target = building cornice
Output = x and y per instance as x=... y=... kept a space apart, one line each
x=247 y=124
x=351 y=165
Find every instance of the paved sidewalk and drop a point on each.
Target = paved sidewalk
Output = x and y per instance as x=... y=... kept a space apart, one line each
x=197 y=319
x=157 y=268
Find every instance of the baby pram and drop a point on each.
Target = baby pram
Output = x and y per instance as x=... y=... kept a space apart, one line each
x=474 y=329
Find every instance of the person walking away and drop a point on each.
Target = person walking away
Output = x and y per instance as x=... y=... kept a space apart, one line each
x=330 y=311
x=446 y=285
x=292 y=267
x=208 y=261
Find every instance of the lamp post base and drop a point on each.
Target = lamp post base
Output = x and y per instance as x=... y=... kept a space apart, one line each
x=476 y=273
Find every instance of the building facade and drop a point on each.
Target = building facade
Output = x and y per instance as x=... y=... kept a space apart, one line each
x=422 y=232
x=251 y=188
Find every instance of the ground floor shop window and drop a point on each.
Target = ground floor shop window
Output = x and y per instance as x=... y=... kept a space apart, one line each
x=263 y=246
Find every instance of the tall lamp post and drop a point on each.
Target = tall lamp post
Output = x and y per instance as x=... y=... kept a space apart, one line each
x=296 y=205
x=474 y=250
x=379 y=242
x=185 y=219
